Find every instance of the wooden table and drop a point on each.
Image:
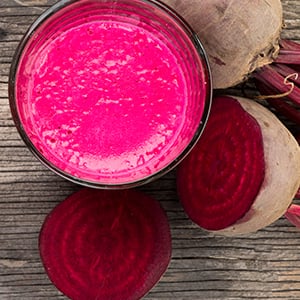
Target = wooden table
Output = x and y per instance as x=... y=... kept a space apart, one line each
x=264 y=265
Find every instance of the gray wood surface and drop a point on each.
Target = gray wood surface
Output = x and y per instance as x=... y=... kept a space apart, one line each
x=264 y=265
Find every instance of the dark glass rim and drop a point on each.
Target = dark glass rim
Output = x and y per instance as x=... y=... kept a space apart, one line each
x=94 y=184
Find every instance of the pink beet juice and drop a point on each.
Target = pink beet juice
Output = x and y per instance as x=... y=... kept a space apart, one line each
x=110 y=93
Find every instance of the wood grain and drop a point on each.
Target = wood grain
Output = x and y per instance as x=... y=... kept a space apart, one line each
x=264 y=265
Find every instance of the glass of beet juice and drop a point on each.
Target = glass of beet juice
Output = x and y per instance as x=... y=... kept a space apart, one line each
x=110 y=93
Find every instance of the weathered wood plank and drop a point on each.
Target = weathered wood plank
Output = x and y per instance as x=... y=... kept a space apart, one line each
x=264 y=265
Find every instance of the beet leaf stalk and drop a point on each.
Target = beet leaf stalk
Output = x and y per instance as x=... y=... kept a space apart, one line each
x=279 y=82
x=293 y=215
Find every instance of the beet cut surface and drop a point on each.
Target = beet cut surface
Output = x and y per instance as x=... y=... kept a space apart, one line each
x=100 y=244
x=219 y=180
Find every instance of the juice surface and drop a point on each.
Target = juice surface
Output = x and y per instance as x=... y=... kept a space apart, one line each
x=104 y=99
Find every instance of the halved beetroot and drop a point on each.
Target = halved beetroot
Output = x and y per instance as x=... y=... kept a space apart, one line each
x=243 y=173
x=100 y=244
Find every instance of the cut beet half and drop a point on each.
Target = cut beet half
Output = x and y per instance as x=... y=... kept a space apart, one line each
x=100 y=244
x=219 y=180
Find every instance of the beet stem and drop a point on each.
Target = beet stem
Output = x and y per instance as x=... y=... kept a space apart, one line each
x=288 y=56
x=288 y=44
x=293 y=215
x=279 y=84
x=284 y=94
x=287 y=71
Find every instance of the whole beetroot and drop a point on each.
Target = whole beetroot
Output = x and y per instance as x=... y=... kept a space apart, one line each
x=239 y=36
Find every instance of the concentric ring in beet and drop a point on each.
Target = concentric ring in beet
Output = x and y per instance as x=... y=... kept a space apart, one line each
x=219 y=180
x=106 y=244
